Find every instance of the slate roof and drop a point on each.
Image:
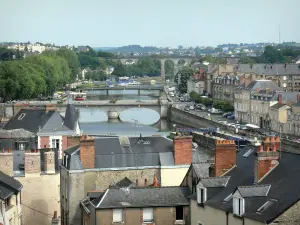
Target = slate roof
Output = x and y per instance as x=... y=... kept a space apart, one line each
x=284 y=187
x=277 y=69
x=201 y=169
x=263 y=85
x=124 y=183
x=16 y=133
x=39 y=121
x=143 y=197
x=277 y=106
x=8 y=186
x=211 y=182
x=286 y=96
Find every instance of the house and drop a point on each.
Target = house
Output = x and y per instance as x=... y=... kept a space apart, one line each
x=94 y=164
x=82 y=49
x=38 y=172
x=134 y=205
x=10 y=200
x=279 y=116
x=253 y=187
x=18 y=139
x=49 y=126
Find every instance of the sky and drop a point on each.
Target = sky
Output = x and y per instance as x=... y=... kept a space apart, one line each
x=160 y=23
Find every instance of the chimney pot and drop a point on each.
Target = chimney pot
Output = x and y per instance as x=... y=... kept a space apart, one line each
x=267 y=140
x=272 y=139
x=145 y=182
x=3 y=150
x=274 y=148
x=260 y=148
x=155 y=181
x=268 y=149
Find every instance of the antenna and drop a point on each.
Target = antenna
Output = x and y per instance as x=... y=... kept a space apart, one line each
x=279 y=33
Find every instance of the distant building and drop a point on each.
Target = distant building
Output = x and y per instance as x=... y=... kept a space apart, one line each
x=10 y=200
x=82 y=49
x=96 y=163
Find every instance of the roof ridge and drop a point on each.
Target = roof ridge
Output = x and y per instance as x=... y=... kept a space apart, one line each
x=255 y=185
x=215 y=177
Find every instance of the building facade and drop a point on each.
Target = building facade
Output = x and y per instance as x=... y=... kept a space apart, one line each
x=97 y=163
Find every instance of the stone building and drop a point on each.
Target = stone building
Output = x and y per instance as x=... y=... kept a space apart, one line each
x=135 y=205
x=253 y=187
x=10 y=200
x=97 y=163
x=38 y=172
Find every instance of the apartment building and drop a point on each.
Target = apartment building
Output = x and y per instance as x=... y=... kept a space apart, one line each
x=286 y=76
x=253 y=102
x=10 y=200
x=94 y=164
x=38 y=172
x=249 y=187
x=50 y=128
x=131 y=204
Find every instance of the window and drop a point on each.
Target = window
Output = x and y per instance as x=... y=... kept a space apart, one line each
x=8 y=202
x=179 y=212
x=117 y=215
x=21 y=146
x=148 y=215
x=55 y=143
x=238 y=206
x=201 y=195
x=21 y=116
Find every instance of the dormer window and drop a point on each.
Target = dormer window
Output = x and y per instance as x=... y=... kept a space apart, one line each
x=238 y=206
x=201 y=195
x=21 y=116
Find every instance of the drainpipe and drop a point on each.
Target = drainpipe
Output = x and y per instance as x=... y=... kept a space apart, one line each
x=227 y=219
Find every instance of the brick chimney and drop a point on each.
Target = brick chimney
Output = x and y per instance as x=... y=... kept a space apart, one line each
x=55 y=220
x=266 y=160
x=183 y=150
x=225 y=156
x=87 y=152
x=49 y=162
x=32 y=162
x=6 y=162
x=280 y=98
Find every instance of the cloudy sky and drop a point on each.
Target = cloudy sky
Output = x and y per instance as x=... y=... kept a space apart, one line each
x=161 y=23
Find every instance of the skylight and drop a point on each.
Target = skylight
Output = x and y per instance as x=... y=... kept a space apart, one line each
x=265 y=206
x=249 y=152
x=21 y=116
x=228 y=198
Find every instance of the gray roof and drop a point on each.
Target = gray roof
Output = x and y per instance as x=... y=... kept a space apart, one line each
x=254 y=190
x=211 y=182
x=286 y=96
x=263 y=85
x=143 y=197
x=8 y=186
x=274 y=69
x=277 y=106
x=201 y=169
x=166 y=158
x=71 y=117
x=16 y=133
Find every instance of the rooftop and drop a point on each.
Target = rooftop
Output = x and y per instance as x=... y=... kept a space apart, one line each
x=8 y=186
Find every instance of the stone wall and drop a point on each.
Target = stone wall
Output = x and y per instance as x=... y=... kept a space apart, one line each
x=32 y=163
x=39 y=193
x=6 y=163
x=105 y=178
x=290 y=217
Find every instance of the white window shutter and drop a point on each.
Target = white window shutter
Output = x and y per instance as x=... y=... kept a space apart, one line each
x=117 y=215
x=242 y=205
x=199 y=195
x=148 y=214
x=205 y=195
x=235 y=206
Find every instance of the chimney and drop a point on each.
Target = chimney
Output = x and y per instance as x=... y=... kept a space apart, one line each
x=6 y=162
x=87 y=152
x=266 y=160
x=225 y=156
x=280 y=98
x=49 y=162
x=155 y=182
x=32 y=162
x=145 y=184
x=183 y=150
x=55 y=220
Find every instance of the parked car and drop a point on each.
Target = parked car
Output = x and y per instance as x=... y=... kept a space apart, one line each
x=192 y=107
x=231 y=117
x=227 y=114
x=187 y=108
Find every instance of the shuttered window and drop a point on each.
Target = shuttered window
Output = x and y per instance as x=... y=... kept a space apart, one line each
x=148 y=215
x=117 y=215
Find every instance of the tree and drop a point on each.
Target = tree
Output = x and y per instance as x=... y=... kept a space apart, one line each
x=72 y=60
x=185 y=75
x=246 y=60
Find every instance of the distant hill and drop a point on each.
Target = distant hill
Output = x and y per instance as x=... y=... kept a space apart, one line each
x=104 y=48
x=134 y=48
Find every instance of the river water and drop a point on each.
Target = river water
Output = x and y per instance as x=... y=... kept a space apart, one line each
x=134 y=121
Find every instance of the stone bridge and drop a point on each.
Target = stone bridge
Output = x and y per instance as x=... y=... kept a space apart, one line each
x=160 y=106
x=179 y=62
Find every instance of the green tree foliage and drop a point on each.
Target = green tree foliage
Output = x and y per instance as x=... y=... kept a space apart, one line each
x=88 y=61
x=225 y=106
x=10 y=54
x=72 y=60
x=169 y=67
x=34 y=76
x=97 y=75
x=272 y=55
x=185 y=74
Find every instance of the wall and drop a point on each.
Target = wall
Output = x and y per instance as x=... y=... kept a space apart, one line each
x=168 y=178
x=12 y=212
x=209 y=216
x=103 y=179
x=40 y=193
x=206 y=140
x=134 y=216
x=290 y=217
x=44 y=141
